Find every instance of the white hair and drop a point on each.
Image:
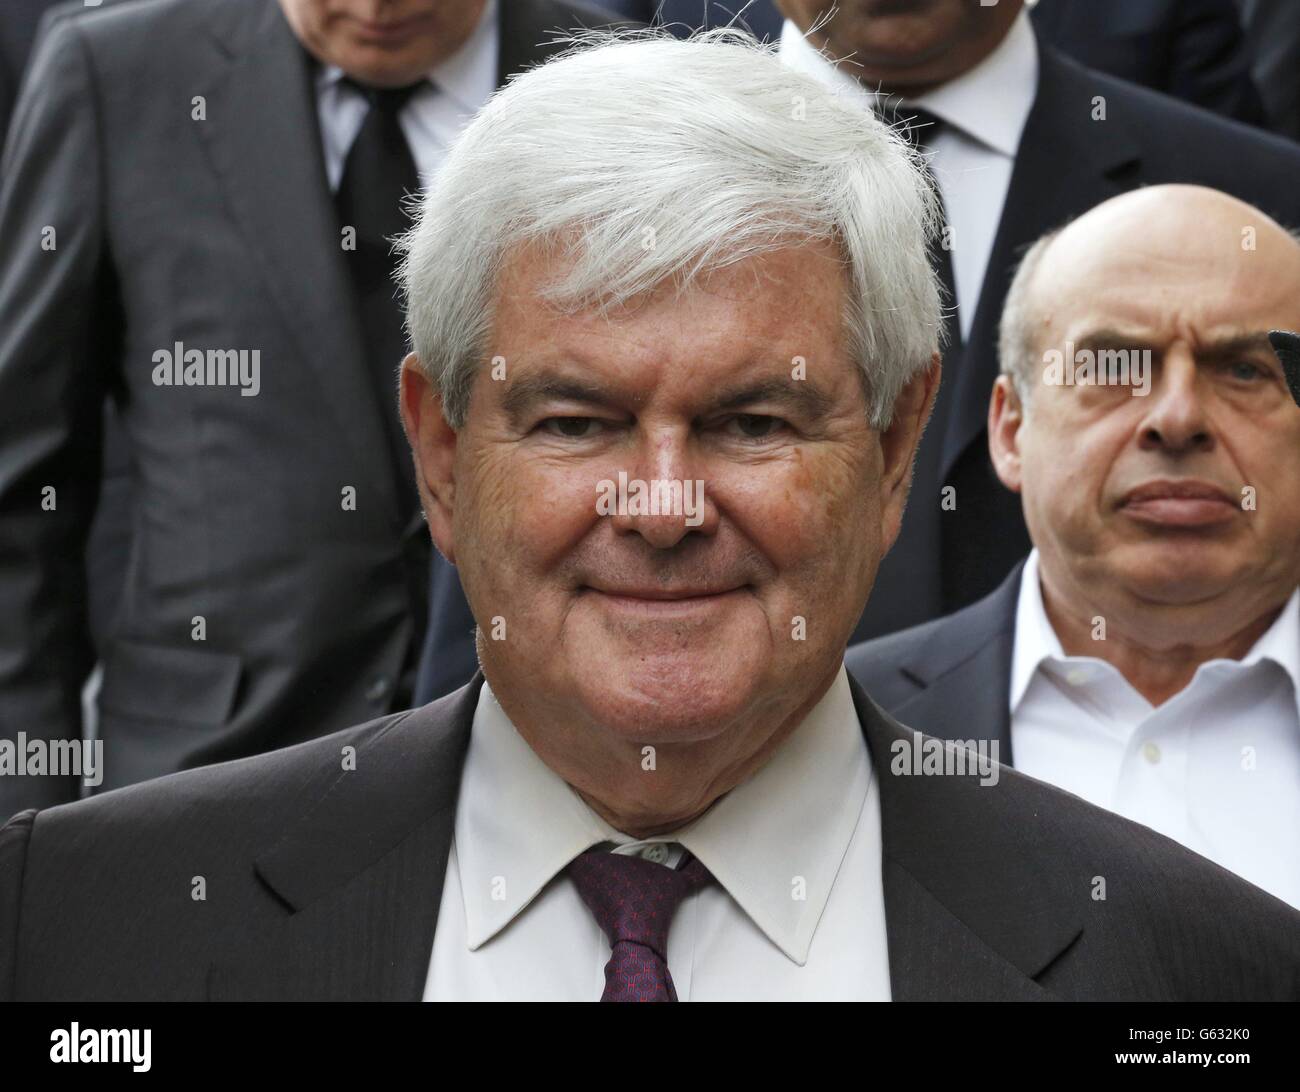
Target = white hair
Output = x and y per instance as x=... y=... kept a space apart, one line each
x=1018 y=352
x=709 y=149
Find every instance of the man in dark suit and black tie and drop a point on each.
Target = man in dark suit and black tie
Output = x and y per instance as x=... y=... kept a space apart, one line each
x=1146 y=656
x=195 y=201
x=1020 y=140
x=666 y=440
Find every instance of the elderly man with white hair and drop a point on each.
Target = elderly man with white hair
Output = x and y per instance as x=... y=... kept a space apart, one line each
x=675 y=340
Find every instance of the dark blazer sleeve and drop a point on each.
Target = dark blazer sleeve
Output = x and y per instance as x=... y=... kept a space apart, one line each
x=14 y=836
x=57 y=341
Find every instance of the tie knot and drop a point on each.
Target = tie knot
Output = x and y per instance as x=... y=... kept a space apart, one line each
x=387 y=100
x=633 y=899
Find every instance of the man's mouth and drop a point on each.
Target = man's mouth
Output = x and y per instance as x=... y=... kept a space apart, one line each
x=1184 y=502
x=658 y=600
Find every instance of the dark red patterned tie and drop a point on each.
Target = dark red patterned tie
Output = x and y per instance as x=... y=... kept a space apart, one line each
x=633 y=901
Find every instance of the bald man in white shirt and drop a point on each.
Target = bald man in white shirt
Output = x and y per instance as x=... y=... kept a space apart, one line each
x=1147 y=655
x=1020 y=139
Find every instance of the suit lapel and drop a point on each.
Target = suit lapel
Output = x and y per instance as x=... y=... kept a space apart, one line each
x=975 y=908
x=262 y=136
x=1067 y=162
x=360 y=873
x=965 y=672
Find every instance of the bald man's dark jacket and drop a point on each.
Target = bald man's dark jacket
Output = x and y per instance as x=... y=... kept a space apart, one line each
x=1088 y=137
x=163 y=184
x=951 y=677
x=321 y=879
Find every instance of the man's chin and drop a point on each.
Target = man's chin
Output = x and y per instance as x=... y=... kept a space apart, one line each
x=1177 y=573
x=681 y=701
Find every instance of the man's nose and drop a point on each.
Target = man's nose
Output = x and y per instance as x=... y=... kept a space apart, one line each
x=1177 y=419
x=666 y=496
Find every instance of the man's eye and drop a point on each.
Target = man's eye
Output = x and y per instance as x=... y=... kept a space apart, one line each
x=1245 y=371
x=754 y=426
x=572 y=428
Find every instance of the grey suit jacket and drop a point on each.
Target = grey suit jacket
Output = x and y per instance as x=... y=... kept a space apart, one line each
x=324 y=883
x=163 y=184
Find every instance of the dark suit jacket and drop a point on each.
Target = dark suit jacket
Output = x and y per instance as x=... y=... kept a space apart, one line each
x=219 y=234
x=1067 y=163
x=950 y=677
x=1273 y=33
x=1194 y=50
x=325 y=884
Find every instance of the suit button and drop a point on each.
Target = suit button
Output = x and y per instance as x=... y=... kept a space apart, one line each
x=377 y=690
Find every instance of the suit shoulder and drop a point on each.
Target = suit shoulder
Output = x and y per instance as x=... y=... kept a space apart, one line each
x=941 y=642
x=1168 y=121
x=894 y=647
x=245 y=797
x=113 y=18
x=1149 y=894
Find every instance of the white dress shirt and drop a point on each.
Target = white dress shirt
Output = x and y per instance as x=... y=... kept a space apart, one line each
x=1216 y=767
x=973 y=154
x=796 y=912
x=432 y=118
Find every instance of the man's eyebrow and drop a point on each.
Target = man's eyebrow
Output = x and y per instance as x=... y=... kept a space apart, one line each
x=523 y=392
x=802 y=394
x=527 y=390
x=1106 y=338
x=1254 y=342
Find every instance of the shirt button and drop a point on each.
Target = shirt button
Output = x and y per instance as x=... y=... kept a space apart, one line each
x=377 y=689
x=1151 y=753
x=657 y=853
x=1078 y=676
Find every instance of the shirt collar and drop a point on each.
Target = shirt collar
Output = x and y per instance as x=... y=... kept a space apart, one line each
x=1280 y=644
x=468 y=76
x=1036 y=640
x=990 y=103
x=791 y=821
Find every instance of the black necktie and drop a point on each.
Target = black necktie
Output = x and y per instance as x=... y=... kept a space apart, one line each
x=378 y=175
x=925 y=527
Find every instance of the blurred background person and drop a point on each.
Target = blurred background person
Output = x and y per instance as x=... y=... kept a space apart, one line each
x=1020 y=139
x=1194 y=50
x=1146 y=656
x=185 y=177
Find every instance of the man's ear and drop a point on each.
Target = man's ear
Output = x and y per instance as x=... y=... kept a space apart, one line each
x=433 y=449
x=898 y=445
x=1006 y=415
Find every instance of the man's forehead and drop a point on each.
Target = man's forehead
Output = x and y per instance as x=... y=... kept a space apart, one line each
x=1166 y=292
x=809 y=278
x=737 y=325
x=1158 y=313
x=1140 y=251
